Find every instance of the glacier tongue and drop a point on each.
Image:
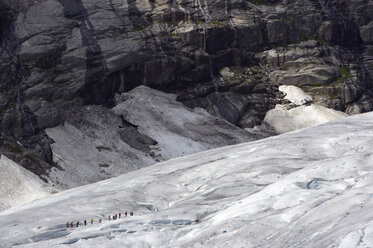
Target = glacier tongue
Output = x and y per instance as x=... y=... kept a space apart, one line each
x=309 y=188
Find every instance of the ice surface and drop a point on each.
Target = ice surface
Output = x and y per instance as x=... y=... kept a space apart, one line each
x=18 y=185
x=295 y=94
x=286 y=120
x=308 y=188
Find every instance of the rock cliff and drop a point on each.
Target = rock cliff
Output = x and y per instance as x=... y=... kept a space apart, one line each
x=227 y=56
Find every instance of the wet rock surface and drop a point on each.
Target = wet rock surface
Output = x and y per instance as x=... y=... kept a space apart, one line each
x=228 y=57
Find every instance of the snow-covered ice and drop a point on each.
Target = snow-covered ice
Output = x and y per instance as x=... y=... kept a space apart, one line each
x=18 y=185
x=295 y=94
x=286 y=120
x=309 y=188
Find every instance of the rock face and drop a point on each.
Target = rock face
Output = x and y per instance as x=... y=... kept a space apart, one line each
x=57 y=55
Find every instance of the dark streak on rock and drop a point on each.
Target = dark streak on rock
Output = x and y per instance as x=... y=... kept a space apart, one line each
x=96 y=89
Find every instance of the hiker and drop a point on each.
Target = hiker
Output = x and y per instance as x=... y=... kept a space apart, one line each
x=67 y=224
x=91 y=221
x=99 y=221
x=119 y=215
x=109 y=217
x=125 y=214
x=72 y=224
x=131 y=213
x=77 y=224
x=85 y=222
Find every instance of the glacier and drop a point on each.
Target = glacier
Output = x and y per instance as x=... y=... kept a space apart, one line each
x=312 y=187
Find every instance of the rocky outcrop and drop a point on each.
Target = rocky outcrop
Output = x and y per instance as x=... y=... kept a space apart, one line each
x=58 y=55
x=307 y=75
x=241 y=95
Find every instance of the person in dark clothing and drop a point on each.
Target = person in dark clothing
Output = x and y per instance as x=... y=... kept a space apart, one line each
x=131 y=213
x=77 y=224
x=85 y=222
x=67 y=225
x=99 y=221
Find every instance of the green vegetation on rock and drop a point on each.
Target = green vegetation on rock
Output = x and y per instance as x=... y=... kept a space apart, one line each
x=333 y=96
x=345 y=72
x=215 y=23
x=306 y=38
x=31 y=158
x=13 y=148
x=140 y=28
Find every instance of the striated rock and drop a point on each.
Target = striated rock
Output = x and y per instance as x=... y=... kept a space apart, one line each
x=366 y=33
x=311 y=75
x=281 y=33
x=339 y=32
x=240 y=96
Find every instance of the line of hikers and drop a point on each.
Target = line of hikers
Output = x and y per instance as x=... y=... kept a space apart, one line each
x=114 y=217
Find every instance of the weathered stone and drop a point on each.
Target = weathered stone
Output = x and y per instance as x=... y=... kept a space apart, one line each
x=366 y=33
x=312 y=75
x=280 y=33
x=340 y=32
